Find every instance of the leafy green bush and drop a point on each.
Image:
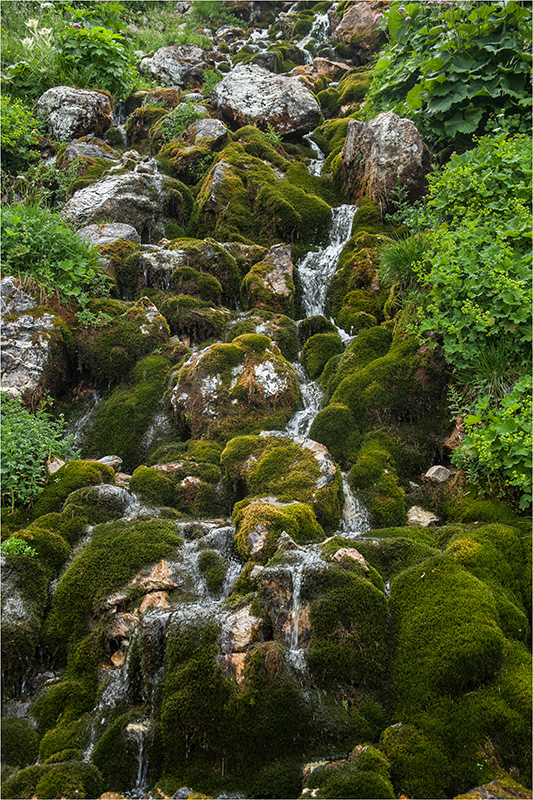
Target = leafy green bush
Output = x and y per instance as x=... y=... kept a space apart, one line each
x=40 y=246
x=213 y=13
x=452 y=67
x=105 y=52
x=27 y=441
x=18 y=129
x=17 y=547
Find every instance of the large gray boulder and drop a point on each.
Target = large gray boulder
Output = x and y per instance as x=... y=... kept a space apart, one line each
x=71 y=113
x=177 y=65
x=34 y=344
x=381 y=154
x=250 y=94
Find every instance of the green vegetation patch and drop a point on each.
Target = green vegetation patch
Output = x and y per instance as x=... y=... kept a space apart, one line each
x=318 y=350
x=259 y=524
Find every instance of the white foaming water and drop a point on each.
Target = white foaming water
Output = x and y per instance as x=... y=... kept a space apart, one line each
x=308 y=558
x=318 y=267
x=318 y=35
x=354 y=521
x=312 y=394
x=315 y=165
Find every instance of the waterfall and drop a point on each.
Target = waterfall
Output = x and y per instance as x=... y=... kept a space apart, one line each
x=318 y=267
x=300 y=423
x=315 y=165
x=354 y=521
x=137 y=731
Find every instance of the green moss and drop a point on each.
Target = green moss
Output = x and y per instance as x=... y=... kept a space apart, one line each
x=394 y=555
x=213 y=567
x=353 y=87
x=186 y=280
x=140 y=122
x=66 y=700
x=73 y=779
x=93 y=170
x=280 y=328
x=20 y=742
x=418 y=761
x=257 y=519
x=66 y=735
x=461 y=646
x=208 y=256
x=116 y=753
x=258 y=292
x=256 y=144
x=336 y=428
x=349 y=624
x=366 y=347
x=318 y=350
x=121 y=422
x=272 y=466
x=117 y=551
x=111 y=352
x=313 y=325
x=194 y=319
x=52 y=550
x=67 y=479
x=189 y=486
x=124 y=260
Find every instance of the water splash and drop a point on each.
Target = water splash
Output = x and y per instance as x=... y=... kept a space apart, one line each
x=355 y=521
x=312 y=395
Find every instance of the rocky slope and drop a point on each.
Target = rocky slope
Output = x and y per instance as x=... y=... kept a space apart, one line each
x=252 y=579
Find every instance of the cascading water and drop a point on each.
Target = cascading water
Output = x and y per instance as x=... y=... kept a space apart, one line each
x=318 y=266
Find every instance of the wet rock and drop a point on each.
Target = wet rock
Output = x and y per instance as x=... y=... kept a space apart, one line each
x=99 y=503
x=176 y=65
x=102 y=235
x=111 y=461
x=226 y=388
x=333 y=69
x=423 y=519
x=132 y=198
x=319 y=452
x=250 y=94
x=34 y=344
x=438 y=474
x=381 y=154
x=229 y=33
x=154 y=600
x=122 y=626
x=497 y=790
x=350 y=553
x=71 y=113
x=359 y=28
x=240 y=630
x=269 y=284
x=157 y=580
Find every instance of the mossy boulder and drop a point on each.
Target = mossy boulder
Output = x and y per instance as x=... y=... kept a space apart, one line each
x=336 y=428
x=192 y=487
x=374 y=479
x=313 y=325
x=206 y=256
x=265 y=207
x=286 y=467
x=317 y=351
x=418 y=761
x=366 y=347
x=141 y=120
x=121 y=422
x=365 y=773
x=193 y=320
x=259 y=523
x=241 y=387
x=278 y=327
x=73 y=475
x=20 y=742
x=110 y=352
x=269 y=283
x=70 y=780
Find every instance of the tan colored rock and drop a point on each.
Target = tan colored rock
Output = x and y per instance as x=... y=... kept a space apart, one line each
x=111 y=796
x=157 y=580
x=156 y=600
x=240 y=630
x=54 y=464
x=256 y=539
x=118 y=658
x=438 y=474
x=352 y=554
x=359 y=27
x=122 y=626
x=423 y=519
x=333 y=69
x=122 y=479
x=382 y=153
x=455 y=439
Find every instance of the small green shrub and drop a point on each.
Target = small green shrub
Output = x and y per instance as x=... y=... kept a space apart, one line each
x=14 y=546
x=18 y=133
x=28 y=440
x=177 y=122
x=40 y=246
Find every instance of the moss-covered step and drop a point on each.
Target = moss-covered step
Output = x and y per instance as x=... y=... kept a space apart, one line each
x=242 y=387
x=278 y=327
x=288 y=468
x=365 y=773
x=260 y=522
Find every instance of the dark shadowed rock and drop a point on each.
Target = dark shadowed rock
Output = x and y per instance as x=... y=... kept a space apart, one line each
x=250 y=94
x=71 y=113
x=381 y=154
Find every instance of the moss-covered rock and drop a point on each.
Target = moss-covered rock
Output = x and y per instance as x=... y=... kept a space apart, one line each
x=194 y=320
x=374 y=479
x=140 y=122
x=110 y=352
x=317 y=351
x=367 y=346
x=191 y=486
x=313 y=325
x=117 y=551
x=365 y=773
x=336 y=428
x=259 y=523
x=240 y=387
x=207 y=256
x=213 y=567
x=73 y=475
x=70 y=780
x=269 y=283
x=121 y=422
x=289 y=468
x=278 y=327
x=20 y=742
